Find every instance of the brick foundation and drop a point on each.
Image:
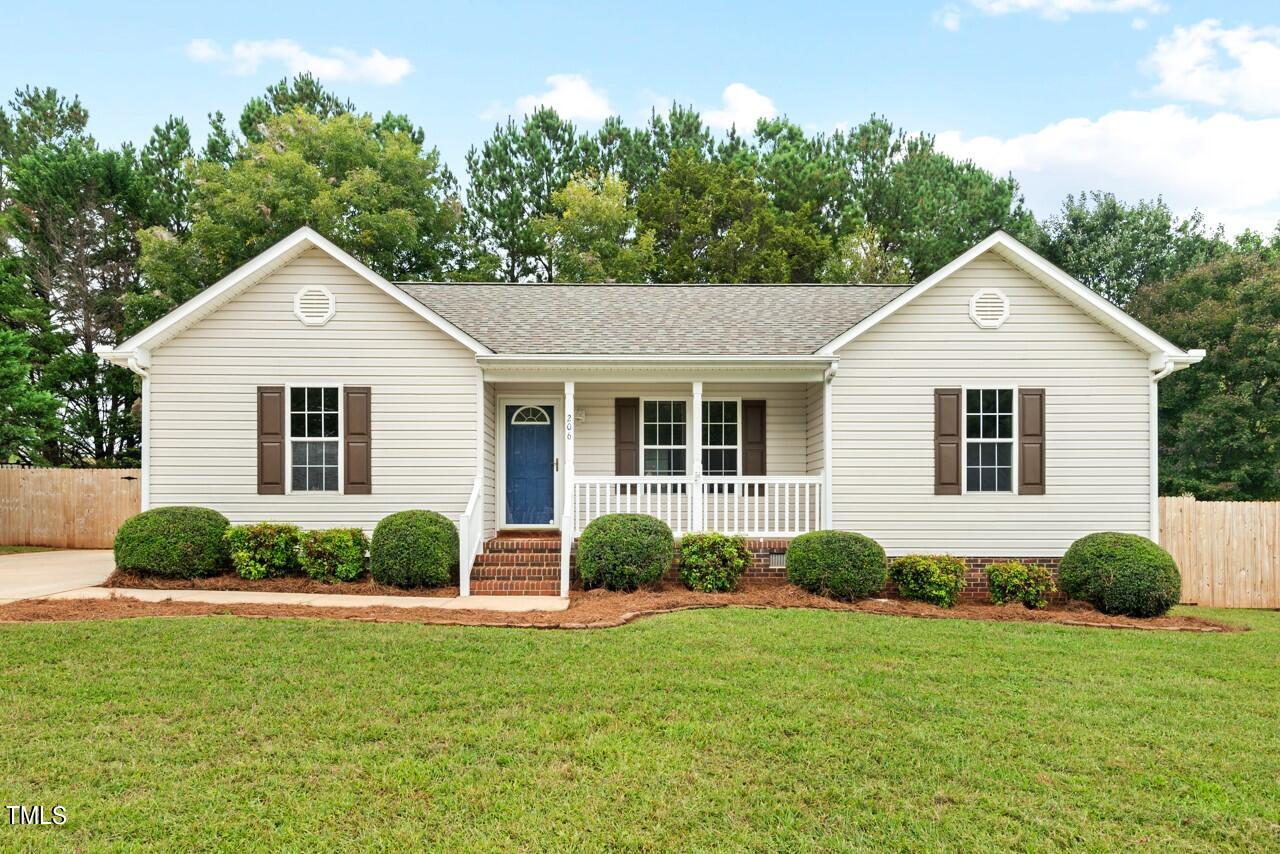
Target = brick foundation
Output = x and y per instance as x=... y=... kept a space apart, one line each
x=533 y=566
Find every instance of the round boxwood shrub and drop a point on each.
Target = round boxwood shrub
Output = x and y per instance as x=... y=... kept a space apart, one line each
x=622 y=551
x=414 y=548
x=713 y=563
x=1121 y=574
x=179 y=542
x=838 y=564
x=936 y=579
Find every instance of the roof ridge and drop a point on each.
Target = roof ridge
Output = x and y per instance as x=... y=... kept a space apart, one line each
x=664 y=284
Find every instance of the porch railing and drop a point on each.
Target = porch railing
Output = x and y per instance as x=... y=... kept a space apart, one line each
x=470 y=536
x=756 y=506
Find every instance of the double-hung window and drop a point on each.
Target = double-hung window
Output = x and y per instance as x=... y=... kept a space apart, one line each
x=719 y=437
x=314 y=435
x=664 y=431
x=988 y=438
x=663 y=434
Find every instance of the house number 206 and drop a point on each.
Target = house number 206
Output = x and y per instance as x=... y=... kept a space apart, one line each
x=568 y=425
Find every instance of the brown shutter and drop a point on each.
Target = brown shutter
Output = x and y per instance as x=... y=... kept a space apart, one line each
x=357 y=478
x=626 y=436
x=753 y=441
x=271 y=440
x=1031 y=441
x=947 y=441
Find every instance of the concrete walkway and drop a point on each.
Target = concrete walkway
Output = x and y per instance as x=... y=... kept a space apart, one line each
x=33 y=575
x=78 y=575
x=322 y=600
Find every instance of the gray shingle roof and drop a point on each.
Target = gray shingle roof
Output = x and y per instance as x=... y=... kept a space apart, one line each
x=653 y=319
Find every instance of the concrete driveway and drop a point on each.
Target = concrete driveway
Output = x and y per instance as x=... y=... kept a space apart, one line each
x=23 y=576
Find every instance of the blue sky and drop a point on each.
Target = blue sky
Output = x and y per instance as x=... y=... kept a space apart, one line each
x=1142 y=97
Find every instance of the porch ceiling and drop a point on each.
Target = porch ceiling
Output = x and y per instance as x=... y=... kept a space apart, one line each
x=649 y=369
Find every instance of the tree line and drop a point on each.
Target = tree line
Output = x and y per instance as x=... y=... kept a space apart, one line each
x=97 y=242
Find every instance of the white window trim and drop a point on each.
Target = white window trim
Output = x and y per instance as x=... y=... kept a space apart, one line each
x=964 y=449
x=689 y=465
x=288 y=433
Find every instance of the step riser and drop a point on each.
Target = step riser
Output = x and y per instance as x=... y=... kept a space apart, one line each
x=514 y=588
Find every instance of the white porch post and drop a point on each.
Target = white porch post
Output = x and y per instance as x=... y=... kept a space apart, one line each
x=694 y=464
x=568 y=506
x=827 y=377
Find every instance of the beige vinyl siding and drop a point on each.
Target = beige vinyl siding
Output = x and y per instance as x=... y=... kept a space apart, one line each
x=489 y=490
x=814 y=450
x=203 y=404
x=1096 y=420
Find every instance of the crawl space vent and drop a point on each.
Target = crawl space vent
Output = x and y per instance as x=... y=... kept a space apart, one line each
x=989 y=308
x=777 y=560
x=314 y=305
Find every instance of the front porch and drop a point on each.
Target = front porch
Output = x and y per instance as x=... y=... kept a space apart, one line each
x=742 y=451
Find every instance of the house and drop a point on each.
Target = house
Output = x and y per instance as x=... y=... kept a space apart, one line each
x=996 y=409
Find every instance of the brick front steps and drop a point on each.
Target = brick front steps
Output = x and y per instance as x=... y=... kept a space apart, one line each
x=518 y=564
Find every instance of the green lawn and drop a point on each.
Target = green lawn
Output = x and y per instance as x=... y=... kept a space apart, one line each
x=17 y=550
x=721 y=728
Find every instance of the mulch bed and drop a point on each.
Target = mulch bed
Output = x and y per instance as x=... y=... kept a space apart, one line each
x=290 y=584
x=600 y=609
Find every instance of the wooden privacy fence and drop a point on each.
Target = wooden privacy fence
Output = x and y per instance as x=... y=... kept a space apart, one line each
x=1228 y=551
x=66 y=508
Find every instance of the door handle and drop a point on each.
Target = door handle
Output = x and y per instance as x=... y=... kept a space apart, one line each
x=557 y=464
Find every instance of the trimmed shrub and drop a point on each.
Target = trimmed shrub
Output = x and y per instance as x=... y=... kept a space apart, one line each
x=414 y=548
x=264 y=550
x=936 y=579
x=1012 y=581
x=179 y=542
x=334 y=555
x=713 y=563
x=622 y=551
x=838 y=564
x=1121 y=574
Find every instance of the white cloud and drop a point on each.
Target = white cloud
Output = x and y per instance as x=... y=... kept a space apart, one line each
x=1224 y=164
x=1208 y=63
x=742 y=107
x=339 y=65
x=949 y=16
x=570 y=95
x=1060 y=10
x=1139 y=23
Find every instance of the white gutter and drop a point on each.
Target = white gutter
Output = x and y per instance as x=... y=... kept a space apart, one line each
x=1161 y=365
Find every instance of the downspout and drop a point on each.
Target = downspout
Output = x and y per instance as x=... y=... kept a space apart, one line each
x=1161 y=366
x=140 y=364
x=827 y=498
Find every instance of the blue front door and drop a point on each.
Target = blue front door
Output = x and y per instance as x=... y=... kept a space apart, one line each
x=530 y=464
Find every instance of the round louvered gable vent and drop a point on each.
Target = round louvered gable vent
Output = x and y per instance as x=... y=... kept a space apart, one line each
x=314 y=305
x=989 y=308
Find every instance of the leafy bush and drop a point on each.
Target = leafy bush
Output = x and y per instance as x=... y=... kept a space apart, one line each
x=180 y=542
x=1012 y=581
x=622 y=551
x=264 y=550
x=713 y=563
x=334 y=555
x=414 y=548
x=1121 y=574
x=838 y=564
x=936 y=579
